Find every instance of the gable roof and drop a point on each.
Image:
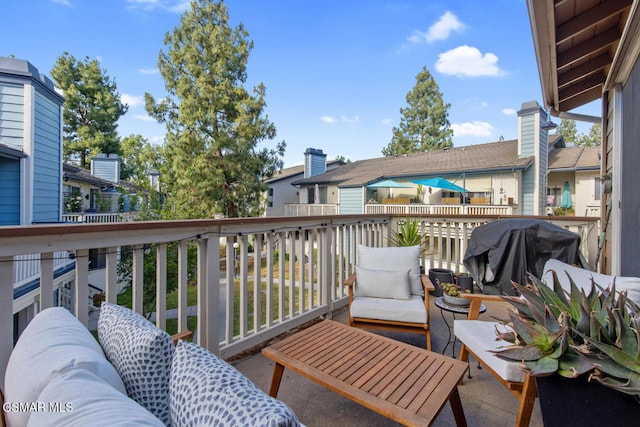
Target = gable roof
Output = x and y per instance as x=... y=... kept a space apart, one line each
x=292 y=171
x=490 y=157
x=574 y=159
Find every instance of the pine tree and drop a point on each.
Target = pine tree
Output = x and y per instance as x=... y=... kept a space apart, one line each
x=92 y=108
x=214 y=125
x=425 y=123
x=568 y=129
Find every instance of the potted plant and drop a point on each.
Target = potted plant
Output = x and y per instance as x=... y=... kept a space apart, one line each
x=589 y=343
x=452 y=294
x=409 y=233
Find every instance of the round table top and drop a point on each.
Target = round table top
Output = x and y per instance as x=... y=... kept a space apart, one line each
x=441 y=303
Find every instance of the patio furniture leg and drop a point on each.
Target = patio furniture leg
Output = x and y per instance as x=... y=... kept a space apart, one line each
x=278 y=369
x=456 y=407
x=527 y=400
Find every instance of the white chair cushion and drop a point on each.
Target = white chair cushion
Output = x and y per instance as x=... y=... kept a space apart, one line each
x=480 y=337
x=393 y=258
x=411 y=310
x=53 y=341
x=80 y=398
x=582 y=279
x=207 y=391
x=382 y=283
x=142 y=355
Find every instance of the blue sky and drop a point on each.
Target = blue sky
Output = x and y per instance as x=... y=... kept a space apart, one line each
x=336 y=72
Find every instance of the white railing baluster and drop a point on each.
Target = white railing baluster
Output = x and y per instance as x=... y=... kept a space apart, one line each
x=137 y=280
x=183 y=263
x=46 y=280
x=81 y=294
x=161 y=286
x=257 y=282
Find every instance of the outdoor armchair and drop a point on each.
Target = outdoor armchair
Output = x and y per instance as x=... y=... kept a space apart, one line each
x=388 y=291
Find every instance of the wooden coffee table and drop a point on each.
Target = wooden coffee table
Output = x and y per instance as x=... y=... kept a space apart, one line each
x=403 y=382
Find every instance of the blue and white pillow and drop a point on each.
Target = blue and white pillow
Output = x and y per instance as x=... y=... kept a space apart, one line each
x=142 y=355
x=206 y=390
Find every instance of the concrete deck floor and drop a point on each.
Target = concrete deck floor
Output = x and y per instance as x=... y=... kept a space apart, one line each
x=485 y=401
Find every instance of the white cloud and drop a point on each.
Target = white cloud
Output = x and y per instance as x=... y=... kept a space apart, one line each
x=475 y=128
x=386 y=121
x=327 y=119
x=175 y=6
x=143 y=117
x=148 y=71
x=131 y=100
x=156 y=139
x=352 y=120
x=467 y=61
x=484 y=104
x=509 y=112
x=441 y=30
x=62 y=2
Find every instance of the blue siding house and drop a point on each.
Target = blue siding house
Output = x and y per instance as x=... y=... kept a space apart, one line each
x=30 y=145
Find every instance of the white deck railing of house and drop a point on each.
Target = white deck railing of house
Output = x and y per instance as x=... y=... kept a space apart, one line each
x=420 y=209
x=300 y=264
x=310 y=209
x=92 y=218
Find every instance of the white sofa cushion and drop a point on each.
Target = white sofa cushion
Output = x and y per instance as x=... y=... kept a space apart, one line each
x=480 y=337
x=393 y=258
x=382 y=283
x=582 y=279
x=206 y=390
x=411 y=310
x=142 y=355
x=54 y=340
x=78 y=398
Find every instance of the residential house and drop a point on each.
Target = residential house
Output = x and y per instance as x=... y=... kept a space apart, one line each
x=282 y=195
x=504 y=177
x=88 y=193
x=588 y=50
x=30 y=145
x=578 y=170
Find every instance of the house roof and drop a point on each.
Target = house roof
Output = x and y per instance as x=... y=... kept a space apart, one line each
x=576 y=43
x=574 y=159
x=490 y=157
x=77 y=174
x=292 y=171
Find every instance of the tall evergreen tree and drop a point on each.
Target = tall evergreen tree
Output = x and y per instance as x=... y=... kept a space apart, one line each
x=593 y=138
x=214 y=125
x=92 y=108
x=568 y=129
x=425 y=123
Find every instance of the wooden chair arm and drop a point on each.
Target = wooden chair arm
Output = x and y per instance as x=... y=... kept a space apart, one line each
x=182 y=335
x=351 y=280
x=426 y=283
x=476 y=302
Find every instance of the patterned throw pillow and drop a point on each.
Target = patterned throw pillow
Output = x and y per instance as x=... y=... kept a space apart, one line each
x=141 y=353
x=206 y=390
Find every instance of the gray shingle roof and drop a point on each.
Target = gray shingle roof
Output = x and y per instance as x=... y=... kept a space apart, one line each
x=574 y=158
x=488 y=157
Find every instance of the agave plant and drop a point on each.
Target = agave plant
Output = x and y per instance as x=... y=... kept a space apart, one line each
x=409 y=234
x=572 y=334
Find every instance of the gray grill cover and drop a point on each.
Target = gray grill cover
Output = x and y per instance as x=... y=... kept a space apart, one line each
x=505 y=250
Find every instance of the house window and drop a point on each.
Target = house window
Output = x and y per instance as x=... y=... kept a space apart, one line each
x=270 y=198
x=321 y=197
x=596 y=188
